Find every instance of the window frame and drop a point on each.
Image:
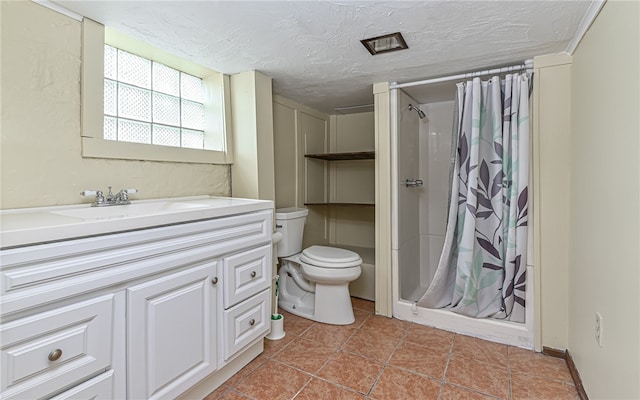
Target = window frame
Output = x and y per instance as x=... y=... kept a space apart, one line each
x=217 y=103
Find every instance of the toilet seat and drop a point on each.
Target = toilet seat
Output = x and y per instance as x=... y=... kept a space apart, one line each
x=330 y=257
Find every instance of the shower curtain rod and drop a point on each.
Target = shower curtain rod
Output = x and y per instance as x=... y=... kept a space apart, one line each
x=528 y=64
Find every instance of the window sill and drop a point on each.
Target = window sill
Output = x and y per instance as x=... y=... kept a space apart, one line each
x=100 y=148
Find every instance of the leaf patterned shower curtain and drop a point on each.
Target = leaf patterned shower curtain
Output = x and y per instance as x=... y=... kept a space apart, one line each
x=482 y=268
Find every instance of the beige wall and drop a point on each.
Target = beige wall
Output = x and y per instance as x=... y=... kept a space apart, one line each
x=604 y=202
x=41 y=156
x=286 y=164
x=298 y=130
x=352 y=181
x=252 y=117
x=551 y=147
x=352 y=132
x=382 y=124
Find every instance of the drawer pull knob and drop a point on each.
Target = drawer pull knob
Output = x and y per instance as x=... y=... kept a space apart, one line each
x=253 y=274
x=252 y=322
x=214 y=280
x=55 y=355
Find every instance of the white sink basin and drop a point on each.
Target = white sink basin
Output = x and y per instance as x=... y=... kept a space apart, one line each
x=130 y=210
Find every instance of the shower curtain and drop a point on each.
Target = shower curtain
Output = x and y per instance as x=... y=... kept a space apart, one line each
x=482 y=268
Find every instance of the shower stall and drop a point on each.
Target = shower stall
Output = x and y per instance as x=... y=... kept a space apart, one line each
x=421 y=158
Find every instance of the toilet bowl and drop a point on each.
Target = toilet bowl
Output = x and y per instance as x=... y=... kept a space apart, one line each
x=314 y=282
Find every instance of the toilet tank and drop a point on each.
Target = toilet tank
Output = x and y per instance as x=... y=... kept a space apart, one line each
x=290 y=222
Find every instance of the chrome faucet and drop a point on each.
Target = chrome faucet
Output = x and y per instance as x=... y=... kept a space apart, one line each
x=119 y=199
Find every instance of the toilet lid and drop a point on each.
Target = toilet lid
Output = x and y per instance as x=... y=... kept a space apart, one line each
x=330 y=257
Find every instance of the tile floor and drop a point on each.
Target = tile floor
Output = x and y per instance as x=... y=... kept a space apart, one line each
x=379 y=358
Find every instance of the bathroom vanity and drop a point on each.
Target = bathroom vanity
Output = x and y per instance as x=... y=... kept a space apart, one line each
x=157 y=299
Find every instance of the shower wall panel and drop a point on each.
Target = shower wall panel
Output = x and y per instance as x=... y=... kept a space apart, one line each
x=435 y=161
x=408 y=198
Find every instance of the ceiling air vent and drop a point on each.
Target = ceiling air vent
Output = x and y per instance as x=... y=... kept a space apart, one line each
x=385 y=43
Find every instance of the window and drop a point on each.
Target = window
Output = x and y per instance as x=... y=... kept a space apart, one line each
x=142 y=103
x=148 y=102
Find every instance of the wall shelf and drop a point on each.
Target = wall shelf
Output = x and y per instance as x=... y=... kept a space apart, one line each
x=360 y=155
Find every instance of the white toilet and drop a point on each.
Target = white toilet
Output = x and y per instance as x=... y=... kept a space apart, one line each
x=314 y=282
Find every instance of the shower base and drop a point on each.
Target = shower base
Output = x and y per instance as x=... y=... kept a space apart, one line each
x=511 y=333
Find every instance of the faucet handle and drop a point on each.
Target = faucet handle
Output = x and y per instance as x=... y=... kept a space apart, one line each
x=97 y=194
x=99 y=197
x=123 y=195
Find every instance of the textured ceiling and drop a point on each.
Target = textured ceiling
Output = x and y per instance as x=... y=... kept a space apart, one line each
x=312 y=49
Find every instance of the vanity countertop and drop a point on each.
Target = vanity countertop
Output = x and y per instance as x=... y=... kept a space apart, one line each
x=26 y=226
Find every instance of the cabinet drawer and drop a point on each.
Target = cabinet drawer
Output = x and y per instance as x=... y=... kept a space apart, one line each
x=246 y=274
x=246 y=322
x=46 y=352
x=98 y=388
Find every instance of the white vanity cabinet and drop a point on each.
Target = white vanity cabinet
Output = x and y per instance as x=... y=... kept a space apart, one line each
x=145 y=314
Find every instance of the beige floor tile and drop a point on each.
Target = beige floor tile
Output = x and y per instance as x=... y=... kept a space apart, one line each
x=304 y=354
x=361 y=316
x=481 y=376
x=321 y=390
x=272 y=347
x=452 y=392
x=233 y=395
x=532 y=363
x=216 y=394
x=380 y=358
x=397 y=384
x=421 y=359
x=371 y=345
x=481 y=350
x=362 y=304
x=428 y=336
x=391 y=327
x=524 y=386
x=352 y=371
x=273 y=381
x=252 y=366
x=294 y=325
x=332 y=336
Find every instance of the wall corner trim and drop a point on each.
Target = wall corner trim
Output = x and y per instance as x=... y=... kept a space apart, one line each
x=587 y=20
x=58 y=8
x=573 y=370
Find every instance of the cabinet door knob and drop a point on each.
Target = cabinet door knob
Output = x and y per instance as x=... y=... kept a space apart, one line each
x=253 y=274
x=214 y=280
x=55 y=355
x=252 y=322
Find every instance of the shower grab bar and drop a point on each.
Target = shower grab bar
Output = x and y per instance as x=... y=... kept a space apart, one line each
x=413 y=182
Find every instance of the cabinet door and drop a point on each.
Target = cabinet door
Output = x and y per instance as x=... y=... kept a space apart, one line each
x=171 y=332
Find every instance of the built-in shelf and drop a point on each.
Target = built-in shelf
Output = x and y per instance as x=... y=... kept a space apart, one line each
x=359 y=155
x=341 y=204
